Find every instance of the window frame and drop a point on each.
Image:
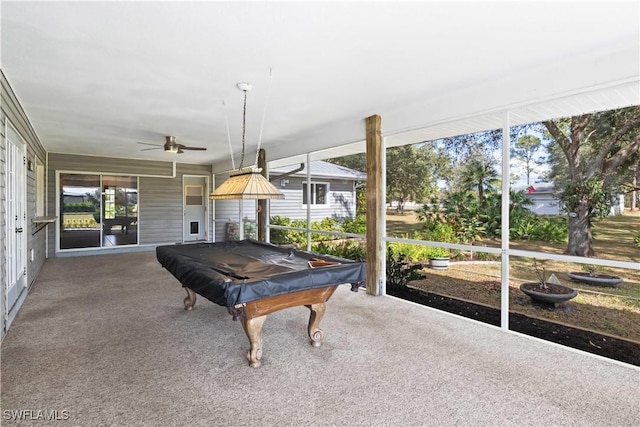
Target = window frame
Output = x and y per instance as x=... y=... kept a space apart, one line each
x=314 y=185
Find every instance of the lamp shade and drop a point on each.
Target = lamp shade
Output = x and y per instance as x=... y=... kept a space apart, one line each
x=246 y=183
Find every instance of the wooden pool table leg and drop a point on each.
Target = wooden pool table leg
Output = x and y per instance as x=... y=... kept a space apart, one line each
x=253 y=328
x=316 y=315
x=190 y=300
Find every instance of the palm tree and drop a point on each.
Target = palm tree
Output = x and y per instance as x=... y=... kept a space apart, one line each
x=480 y=175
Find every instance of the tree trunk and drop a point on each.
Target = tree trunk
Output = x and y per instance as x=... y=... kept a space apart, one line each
x=580 y=239
x=634 y=193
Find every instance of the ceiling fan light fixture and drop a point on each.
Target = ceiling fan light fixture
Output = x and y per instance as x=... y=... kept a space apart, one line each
x=247 y=183
x=171 y=146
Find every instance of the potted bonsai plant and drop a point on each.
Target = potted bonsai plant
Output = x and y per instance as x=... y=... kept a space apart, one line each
x=438 y=258
x=590 y=276
x=547 y=290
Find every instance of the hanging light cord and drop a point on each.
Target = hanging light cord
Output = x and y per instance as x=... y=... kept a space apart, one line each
x=264 y=114
x=244 y=126
x=226 y=120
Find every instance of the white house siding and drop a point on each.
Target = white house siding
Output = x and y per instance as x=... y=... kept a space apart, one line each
x=3 y=203
x=544 y=204
x=160 y=207
x=10 y=109
x=341 y=200
x=542 y=198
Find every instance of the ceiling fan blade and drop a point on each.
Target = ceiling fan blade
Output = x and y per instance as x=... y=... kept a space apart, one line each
x=193 y=148
x=170 y=146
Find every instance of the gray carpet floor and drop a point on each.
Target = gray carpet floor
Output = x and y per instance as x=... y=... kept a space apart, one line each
x=104 y=340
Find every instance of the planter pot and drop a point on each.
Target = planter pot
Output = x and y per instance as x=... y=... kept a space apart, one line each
x=596 y=280
x=555 y=295
x=439 y=263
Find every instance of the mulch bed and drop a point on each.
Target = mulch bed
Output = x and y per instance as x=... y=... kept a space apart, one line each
x=585 y=340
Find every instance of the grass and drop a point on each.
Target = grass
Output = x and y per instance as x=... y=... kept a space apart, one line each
x=615 y=311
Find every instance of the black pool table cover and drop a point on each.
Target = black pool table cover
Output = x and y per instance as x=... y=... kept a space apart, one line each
x=237 y=272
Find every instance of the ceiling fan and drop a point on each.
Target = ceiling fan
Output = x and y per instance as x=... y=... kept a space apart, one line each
x=171 y=146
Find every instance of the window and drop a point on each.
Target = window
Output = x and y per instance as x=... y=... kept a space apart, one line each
x=194 y=195
x=319 y=193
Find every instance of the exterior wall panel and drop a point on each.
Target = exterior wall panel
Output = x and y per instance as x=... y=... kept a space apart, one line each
x=160 y=212
x=341 y=200
x=10 y=109
x=3 y=204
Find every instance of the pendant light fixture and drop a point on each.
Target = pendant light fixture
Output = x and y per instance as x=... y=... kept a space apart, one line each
x=245 y=183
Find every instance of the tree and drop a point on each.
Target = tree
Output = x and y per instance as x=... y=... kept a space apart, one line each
x=412 y=171
x=593 y=158
x=525 y=149
x=479 y=174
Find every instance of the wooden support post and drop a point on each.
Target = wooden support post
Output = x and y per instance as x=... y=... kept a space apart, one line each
x=376 y=254
x=262 y=204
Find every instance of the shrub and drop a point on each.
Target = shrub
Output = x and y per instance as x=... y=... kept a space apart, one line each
x=357 y=225
x=550 y=229
x=399 y=271
x=327 y=224
x=276 y=236
x=636 y=240
x=469 y=229
x=522 y=228
x=250 y=231
x=287 y=237
x=438 y=231
x=544 y=228
x=412 y=252
x=349 y=249
x=433 y=252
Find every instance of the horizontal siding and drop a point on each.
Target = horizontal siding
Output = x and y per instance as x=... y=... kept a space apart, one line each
x=341 y=203
x=160 y=205
x=11 y=110
x=3 y=204
x=160 y=213
x=160 y=210
x=117 y=166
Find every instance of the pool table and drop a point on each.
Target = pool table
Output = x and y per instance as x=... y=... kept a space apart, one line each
x=253 y=279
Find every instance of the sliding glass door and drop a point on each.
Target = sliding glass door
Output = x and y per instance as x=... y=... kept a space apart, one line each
x=98 y=211
x=120 y=210
x=79 y=211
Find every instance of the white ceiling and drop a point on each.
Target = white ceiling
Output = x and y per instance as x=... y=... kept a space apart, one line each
x=95 y=77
